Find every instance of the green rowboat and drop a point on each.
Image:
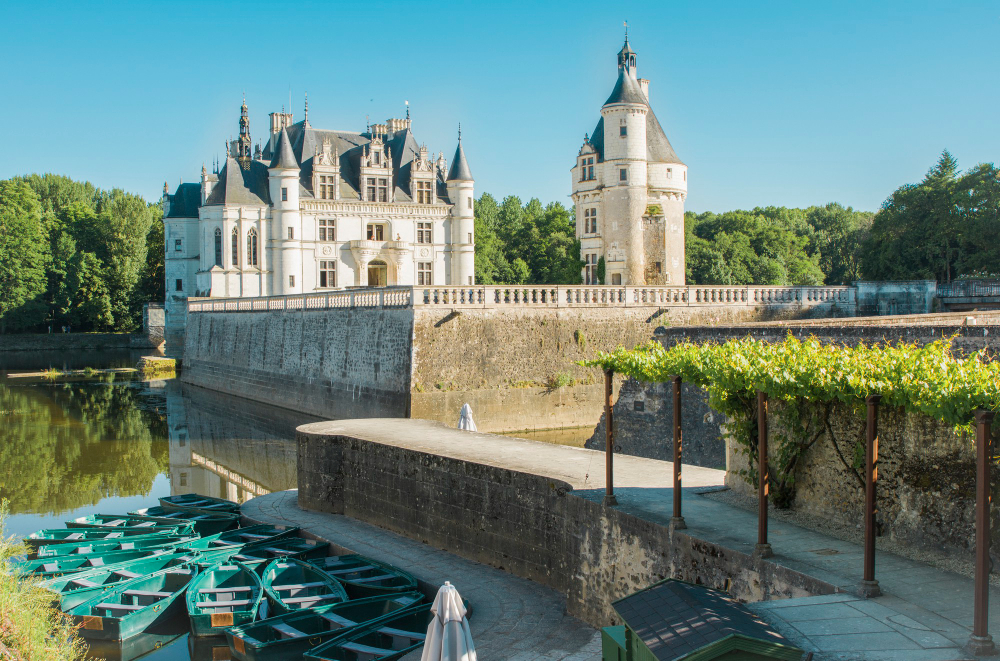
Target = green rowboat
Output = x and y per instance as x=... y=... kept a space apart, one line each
x=78 y=587
x=196 y=502
x=133 y=606
x=223 y=595
x=287 y=637
x=292 y=585
x=129 y=521
x=391 y=638
x=102 y=547
x=52 y=567
x=364 y=577
x=36 y=540
x=204 y=524
x=242 y=537
x=255 y=556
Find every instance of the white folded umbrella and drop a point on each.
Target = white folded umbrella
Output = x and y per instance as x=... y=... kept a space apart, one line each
x=448 y=635
x=465 y=420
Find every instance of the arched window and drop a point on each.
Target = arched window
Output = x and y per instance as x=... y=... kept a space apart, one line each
x=236 y=247
x=218 y=247
x=252 y=247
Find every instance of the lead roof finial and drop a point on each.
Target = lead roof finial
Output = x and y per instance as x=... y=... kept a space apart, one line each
x=460 y=131
x=407 y=109
x=305 y=119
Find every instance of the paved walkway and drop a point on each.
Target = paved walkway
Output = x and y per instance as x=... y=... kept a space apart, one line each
x=512 y=618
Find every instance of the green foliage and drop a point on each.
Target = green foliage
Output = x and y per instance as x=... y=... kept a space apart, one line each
x=22 y=256
x=808 y=378
x=942 y=228
x=528 y=244
x=602 y=269
x=101 y=255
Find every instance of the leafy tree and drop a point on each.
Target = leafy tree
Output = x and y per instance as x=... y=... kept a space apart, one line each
x=151 y=282
x=22 y=257
x=602 y=269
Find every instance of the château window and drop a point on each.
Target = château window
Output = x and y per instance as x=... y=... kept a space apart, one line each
x=326 y=187
x=177 y=245
x=327 y=274
x=470 y=202
x=327 y=229
x=590 y=221
x=179 y=285
x=616 y=278
x=370 y=189
x=252 y=247
x=383 y=189
x=284 y=194
x=623 y=130
x=376 y=232
x=236 y=247
x=587 y=168
x=291 y=281
x=590 y=269
x=291 y=232
x=424 y=274
x=423 y=192
x=424 y=233
x=670 y=173
x=218 y=247
x=470 y=237
x=623 y=175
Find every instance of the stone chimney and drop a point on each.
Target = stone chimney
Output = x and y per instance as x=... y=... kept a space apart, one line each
x=644 y=86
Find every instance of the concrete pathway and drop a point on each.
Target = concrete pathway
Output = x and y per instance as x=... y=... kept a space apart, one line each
x=512 y=618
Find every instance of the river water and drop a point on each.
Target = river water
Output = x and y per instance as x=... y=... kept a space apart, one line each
x=111 y=443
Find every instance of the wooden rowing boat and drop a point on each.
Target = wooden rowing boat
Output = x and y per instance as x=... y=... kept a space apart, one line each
x=101 y=547
x=133 y=606
x=287 y=637
x=197 y=502
x=73 y=589
x=255 y=556
x=292 y=585
x=59 y=566
x=391 y=638
x=241 y=537
x=41 y=538
x=364 y=577
x=129 y=521
x=224 y=595
x=204 y=523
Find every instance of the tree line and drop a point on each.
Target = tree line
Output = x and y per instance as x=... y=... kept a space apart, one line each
x=75 y=256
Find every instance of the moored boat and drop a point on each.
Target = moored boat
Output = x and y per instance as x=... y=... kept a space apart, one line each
x=41 y=538
x=255 y=556
x=386 y=640
x=224 y=595
x=58 y=566
x=292 y=585
x=287 y=637
x=242 y=537
x=129 y=521
x=197 y=502
x=204 y=523
x=76 y=588
x=364 y=577
x=133 y=606
x=101 y=547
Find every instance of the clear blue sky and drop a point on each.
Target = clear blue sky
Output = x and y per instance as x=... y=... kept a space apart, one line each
x=792 y=104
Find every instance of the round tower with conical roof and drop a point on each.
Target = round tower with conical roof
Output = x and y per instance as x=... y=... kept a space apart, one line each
x=286 y=224
x=629 y=188
x=461 y=186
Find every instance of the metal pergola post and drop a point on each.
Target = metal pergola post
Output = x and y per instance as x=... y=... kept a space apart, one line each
x=763 y=548
x=869 y=586
x=609 y=487
x=981 y=642
x=678 y=520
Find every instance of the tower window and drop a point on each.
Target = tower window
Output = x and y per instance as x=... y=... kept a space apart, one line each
x=424 y=232
x=590 y=221
x=218 y=247
x=291 y=232
x=470 y=237
x=424 y=273
x=470 y=202
x=423 y=192
x=670 y=173
x=623 y=130
x=291 y=281
x=179 y=285
x=327 y=229
x=327 y=274
x=284 y=194
x=178 y=246
x=623 y=174
x=659 y=267
x=590 y=269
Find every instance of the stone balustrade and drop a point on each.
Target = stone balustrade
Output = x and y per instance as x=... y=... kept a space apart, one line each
x=536 y=296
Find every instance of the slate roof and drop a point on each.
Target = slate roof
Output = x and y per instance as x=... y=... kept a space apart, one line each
x=239 y=186
x=626 y=90
x=674 y=619
x=459 y=166
x=658 y=147
x=284 y=158
x=185 y=201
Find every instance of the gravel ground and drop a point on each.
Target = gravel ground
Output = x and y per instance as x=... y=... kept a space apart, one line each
x=855 y=534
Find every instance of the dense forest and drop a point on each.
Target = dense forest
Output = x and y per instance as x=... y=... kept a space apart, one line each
x=77 y=256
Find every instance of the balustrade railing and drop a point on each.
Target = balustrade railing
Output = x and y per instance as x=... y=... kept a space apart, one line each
x=535 y=296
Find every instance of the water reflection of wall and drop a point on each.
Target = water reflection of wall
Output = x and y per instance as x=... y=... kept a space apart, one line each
x=229 y=447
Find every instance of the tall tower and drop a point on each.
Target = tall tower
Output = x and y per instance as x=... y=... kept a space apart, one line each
x=630 y=202
x=286 y=224
x=244 y=148
x=460 y=191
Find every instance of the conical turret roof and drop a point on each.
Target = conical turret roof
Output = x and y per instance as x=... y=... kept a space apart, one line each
x=285 y=157
x=459 y=166
x=626 y=90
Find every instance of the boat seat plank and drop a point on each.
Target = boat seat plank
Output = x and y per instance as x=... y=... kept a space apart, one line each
x=76 y=535
x=277 y=551
x=315 y=597
x=124 y=573
x=146 y=593
x=366 y=652
x=50 y=566
x=400 y=633
x=232 y=589
x=372 y=579
x=288 y=631
x=338 y=619
x=349 y=570
x=96 y=562
x=115 y=522
x=251 y=535
x=122 y=607
x=298 y=586
x=216 y=604
x=84 y=583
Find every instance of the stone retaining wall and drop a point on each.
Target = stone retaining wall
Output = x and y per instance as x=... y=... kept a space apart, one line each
x=531 y=525
x=78 y=341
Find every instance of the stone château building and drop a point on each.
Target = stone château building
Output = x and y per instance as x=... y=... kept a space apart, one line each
x=317 y=210
x=629 y=188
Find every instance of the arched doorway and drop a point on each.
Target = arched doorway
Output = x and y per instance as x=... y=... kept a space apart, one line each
x=378 y=274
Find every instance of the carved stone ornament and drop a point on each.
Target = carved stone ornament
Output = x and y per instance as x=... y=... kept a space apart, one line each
x=327 y=250
x=424 y=252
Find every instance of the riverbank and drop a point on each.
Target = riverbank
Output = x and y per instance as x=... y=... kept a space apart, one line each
x=79 y=341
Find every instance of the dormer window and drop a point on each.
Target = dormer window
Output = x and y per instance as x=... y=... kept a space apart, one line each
x=377 y=189
x=423 y=192
x=326 y=187
x=587 y=168
x=376 y=158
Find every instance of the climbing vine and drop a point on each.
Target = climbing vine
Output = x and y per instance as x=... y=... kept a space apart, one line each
x=807 y=379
